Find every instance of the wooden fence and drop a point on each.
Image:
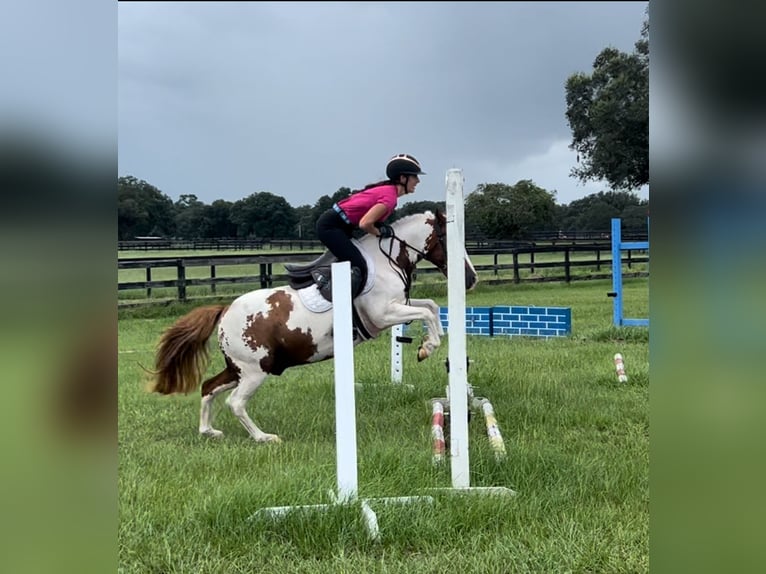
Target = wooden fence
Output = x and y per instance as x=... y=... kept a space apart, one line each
x=266 y=278
x=542 y=238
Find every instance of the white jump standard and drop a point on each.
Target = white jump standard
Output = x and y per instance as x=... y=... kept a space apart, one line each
x=458 y=371
x=345 y=415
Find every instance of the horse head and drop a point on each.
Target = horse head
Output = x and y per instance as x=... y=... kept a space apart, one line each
x=426 y=235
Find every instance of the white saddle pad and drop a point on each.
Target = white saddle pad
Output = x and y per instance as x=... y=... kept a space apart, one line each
x=312 y=299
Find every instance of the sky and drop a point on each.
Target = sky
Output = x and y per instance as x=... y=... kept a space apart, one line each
x=225 y=99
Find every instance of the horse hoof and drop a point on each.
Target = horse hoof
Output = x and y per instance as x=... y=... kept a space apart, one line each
x=213 y=433
x=270 y=438
x=422 y=354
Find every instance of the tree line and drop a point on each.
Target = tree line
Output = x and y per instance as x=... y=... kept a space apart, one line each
x=492 y=211
x=607 y=112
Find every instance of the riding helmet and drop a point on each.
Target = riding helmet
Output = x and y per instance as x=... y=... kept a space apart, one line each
x=402 y=164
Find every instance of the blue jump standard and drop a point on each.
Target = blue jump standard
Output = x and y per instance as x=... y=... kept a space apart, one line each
x=618 y=246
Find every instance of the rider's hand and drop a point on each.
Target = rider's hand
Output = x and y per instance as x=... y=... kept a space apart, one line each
x=385 y=231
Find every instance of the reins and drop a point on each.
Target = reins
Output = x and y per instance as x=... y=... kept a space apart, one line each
x=406 y=276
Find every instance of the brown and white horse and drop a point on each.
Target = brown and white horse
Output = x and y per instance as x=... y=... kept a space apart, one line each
x=264 y=332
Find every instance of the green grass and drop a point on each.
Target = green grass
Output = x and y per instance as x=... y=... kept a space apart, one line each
x=577 y=444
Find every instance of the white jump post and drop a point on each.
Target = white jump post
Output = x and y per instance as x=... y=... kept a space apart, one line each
x=396 y=354
x=458 y=368
x=458 y=372
x=345 y=400
x=345 y=414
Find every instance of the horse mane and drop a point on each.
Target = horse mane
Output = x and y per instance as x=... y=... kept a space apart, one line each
x=402 y=220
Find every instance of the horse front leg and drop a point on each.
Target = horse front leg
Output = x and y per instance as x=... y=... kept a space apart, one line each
x=398 y=313
x=431 y=306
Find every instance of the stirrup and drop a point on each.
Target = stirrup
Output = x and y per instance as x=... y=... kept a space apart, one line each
x=321 y=279
x=323 y=283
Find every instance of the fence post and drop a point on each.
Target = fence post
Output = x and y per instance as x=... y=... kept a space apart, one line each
x=148 y=278
x=567 y=269
x=212 y=276
x=266 y=278
x=181 y=267
x=516 y=278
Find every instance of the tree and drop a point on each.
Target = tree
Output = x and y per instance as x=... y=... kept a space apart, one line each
x=502 y=211
x=594 y=212
x=219 y=219
x=608 y=113
x=190 y=217
x=142 y=209
x=323 y=204
x=306 y=222
x=264 y=215
x=418 y=207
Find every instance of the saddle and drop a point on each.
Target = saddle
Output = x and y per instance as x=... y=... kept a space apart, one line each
x=301 y=275
x=319 y=272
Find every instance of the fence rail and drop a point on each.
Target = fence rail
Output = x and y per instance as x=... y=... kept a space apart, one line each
x=267 y=278
x=536 y=239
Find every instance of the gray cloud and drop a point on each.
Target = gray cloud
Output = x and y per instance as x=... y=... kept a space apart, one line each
x=226 y=99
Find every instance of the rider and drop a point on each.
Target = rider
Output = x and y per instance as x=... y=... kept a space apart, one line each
x=365 y=209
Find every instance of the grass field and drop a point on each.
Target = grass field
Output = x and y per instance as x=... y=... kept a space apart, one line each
x=577 y=443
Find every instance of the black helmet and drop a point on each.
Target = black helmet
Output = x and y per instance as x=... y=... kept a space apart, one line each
x=402 y=164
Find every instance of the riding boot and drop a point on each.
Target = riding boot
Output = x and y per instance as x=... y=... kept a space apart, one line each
x=357 y=282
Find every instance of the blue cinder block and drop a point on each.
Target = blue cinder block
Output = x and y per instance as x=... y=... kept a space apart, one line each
x=507 y=320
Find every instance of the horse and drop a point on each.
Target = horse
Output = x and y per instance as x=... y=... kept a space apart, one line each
x=266 y=331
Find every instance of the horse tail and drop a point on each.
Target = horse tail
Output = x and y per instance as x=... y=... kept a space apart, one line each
x=183 y=352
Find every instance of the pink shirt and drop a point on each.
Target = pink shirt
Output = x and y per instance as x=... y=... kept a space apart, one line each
x=360 y=203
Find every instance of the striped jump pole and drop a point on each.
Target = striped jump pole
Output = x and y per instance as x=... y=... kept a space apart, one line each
x=619 y=366
x=437 y=432
x=493 y=430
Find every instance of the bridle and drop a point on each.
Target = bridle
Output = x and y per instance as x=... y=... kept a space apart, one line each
x=406 y=275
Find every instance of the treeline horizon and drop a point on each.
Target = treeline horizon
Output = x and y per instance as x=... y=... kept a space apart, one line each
x=492 y=211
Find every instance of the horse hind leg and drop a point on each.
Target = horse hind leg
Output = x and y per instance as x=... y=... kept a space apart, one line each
x=237 y=402
x=211 y=388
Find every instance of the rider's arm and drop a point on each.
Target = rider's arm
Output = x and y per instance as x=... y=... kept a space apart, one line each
x=369 y=219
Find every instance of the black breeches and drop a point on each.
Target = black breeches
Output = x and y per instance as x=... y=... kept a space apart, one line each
x=336 y=235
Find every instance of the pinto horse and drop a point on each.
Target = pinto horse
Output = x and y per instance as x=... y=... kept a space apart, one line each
x=266 y=331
